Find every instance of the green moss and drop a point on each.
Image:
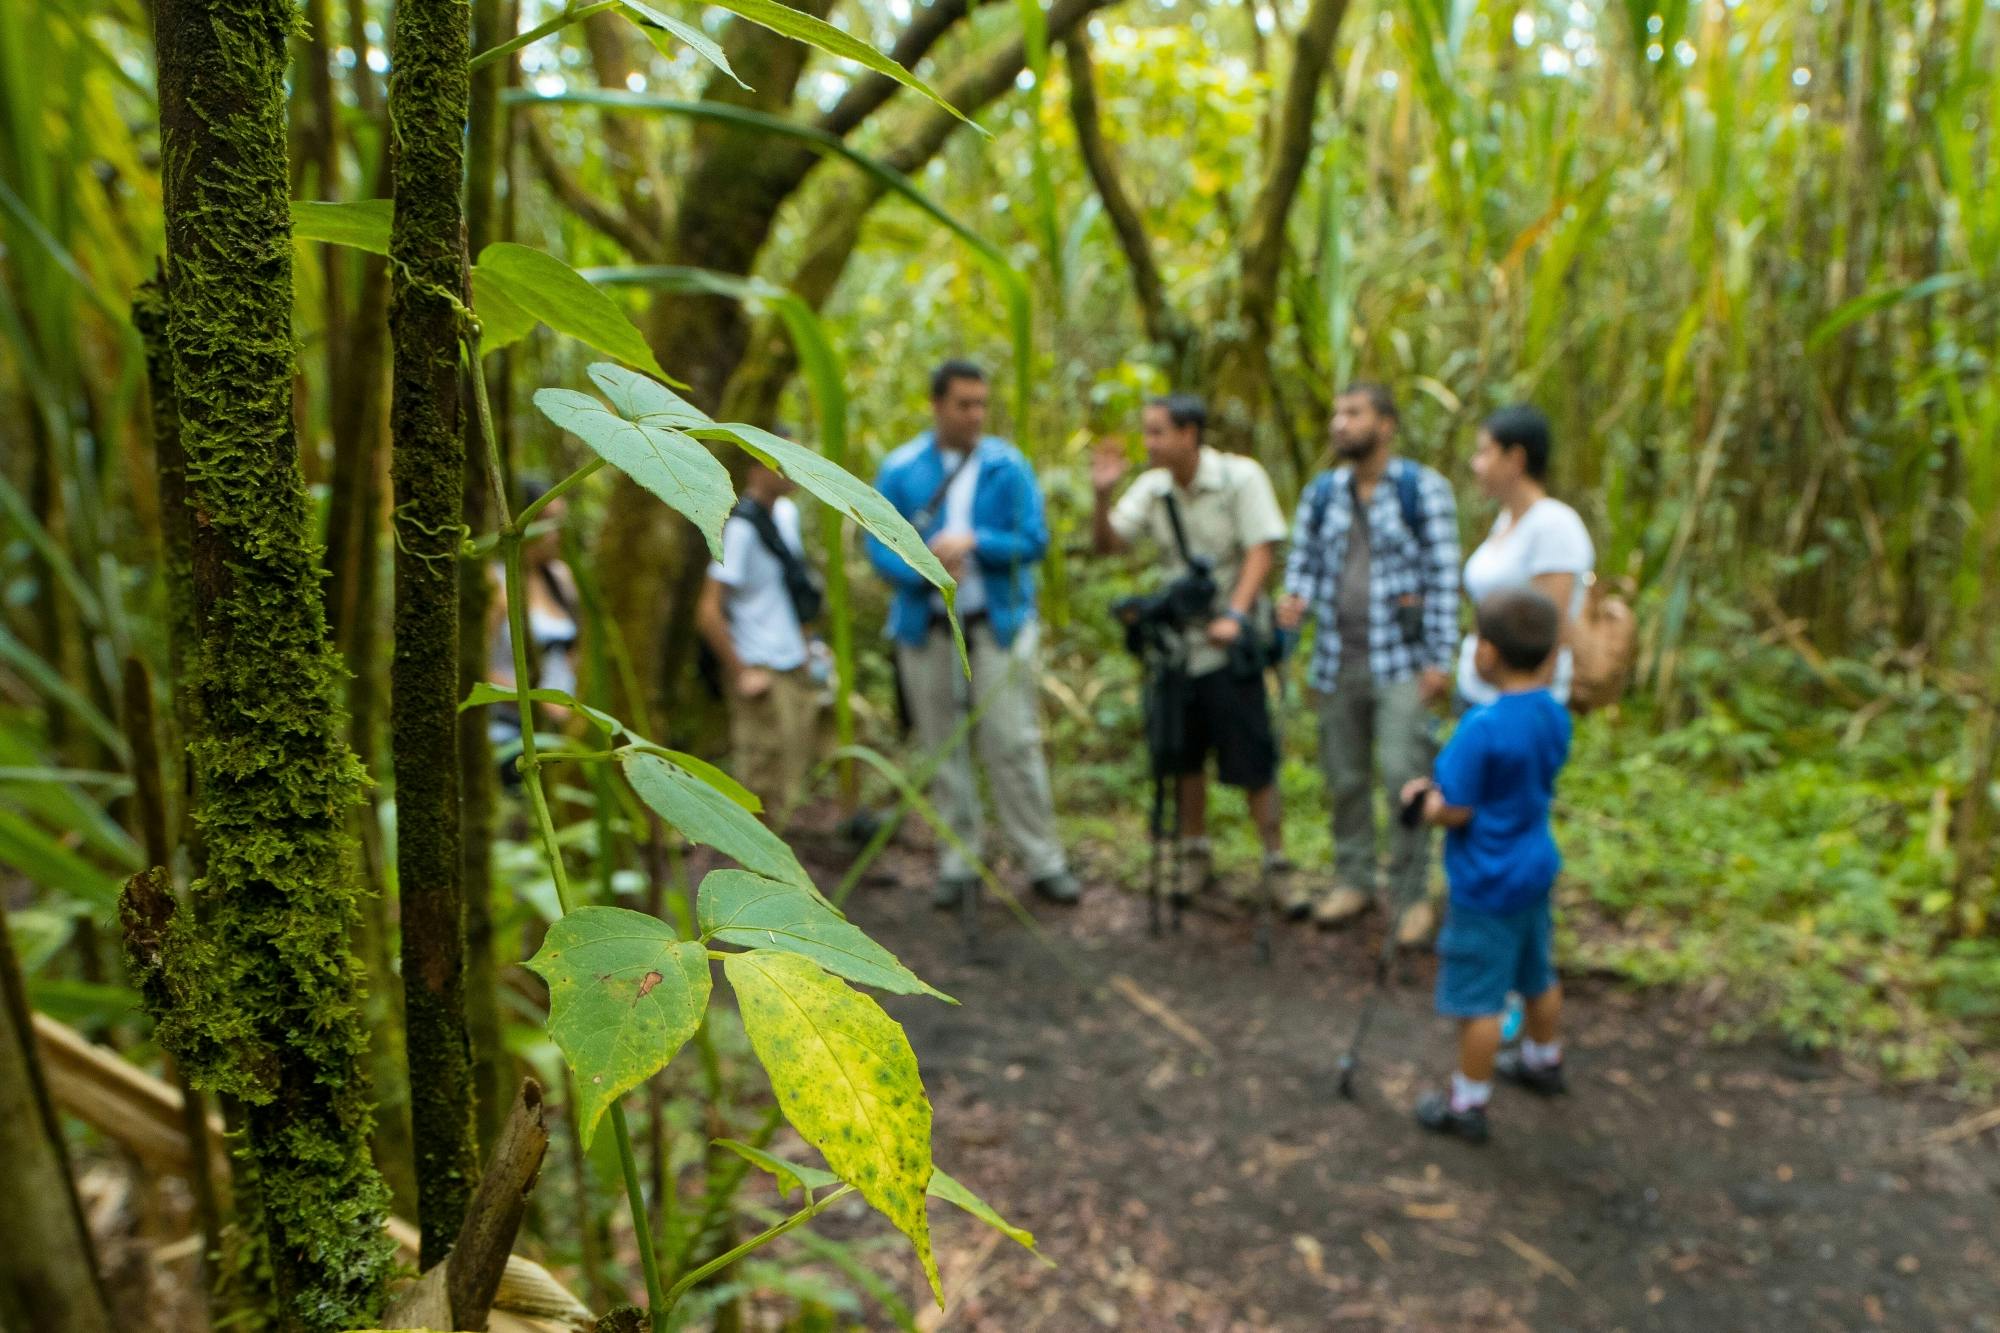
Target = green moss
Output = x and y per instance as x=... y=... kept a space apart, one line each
x=260 y=1000
x=428 y=99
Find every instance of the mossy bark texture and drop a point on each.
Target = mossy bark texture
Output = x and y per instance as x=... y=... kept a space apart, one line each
x=428 y=97
x=260 y=1000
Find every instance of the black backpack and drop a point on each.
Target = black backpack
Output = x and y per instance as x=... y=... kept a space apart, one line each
x=802 y=585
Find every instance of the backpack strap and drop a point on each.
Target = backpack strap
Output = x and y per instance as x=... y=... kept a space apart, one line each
x=1180 y=534
x=799 y=583
x=1410 y=496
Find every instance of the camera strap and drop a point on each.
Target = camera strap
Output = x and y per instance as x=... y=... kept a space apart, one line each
x=1180 y=534
x=928 y=514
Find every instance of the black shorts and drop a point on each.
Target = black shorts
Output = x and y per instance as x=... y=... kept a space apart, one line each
x=1228 y=715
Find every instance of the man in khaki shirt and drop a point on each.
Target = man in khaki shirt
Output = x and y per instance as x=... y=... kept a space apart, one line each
x=1230 y=518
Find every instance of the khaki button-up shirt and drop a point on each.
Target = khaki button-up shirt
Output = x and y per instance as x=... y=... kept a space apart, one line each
x=1229 y=509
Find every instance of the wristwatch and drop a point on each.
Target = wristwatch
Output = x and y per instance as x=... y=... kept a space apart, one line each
x=1233 y=614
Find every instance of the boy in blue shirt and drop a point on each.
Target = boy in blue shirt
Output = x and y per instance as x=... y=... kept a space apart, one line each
x=1492 y=790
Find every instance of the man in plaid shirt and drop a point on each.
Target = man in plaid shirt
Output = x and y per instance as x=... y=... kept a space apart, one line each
x=1374 y=560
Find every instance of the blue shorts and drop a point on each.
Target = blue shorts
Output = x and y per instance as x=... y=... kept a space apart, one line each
x=1483 y=955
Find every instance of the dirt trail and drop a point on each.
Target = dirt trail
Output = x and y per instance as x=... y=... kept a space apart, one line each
x=1191 y=1167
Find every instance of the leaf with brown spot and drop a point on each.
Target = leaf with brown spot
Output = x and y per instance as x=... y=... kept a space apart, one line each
x=625 y=994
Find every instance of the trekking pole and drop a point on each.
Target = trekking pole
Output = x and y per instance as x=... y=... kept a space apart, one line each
x=1267 y=911
x=968 y=917
x=1410 y=814
x=1349 y=1060
x=1159 y=853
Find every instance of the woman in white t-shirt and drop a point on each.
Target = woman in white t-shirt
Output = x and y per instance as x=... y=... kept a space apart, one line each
x=1536 y=540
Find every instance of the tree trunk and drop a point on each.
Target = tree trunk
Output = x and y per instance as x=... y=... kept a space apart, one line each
x=428 y=100
x=48 y=1274
x=485 y=155
x=259 y=1000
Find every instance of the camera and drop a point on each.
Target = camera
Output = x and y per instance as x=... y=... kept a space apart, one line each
x=1152 y=618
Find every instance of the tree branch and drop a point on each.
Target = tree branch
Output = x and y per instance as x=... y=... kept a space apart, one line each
x=1264 y=236
x=613 y=222
x=1163 y=324
x=770 y=360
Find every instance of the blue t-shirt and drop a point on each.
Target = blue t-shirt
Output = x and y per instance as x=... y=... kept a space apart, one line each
x=1501 y=764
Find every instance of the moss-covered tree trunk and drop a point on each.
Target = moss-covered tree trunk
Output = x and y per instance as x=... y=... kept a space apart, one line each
x=486 y=151
x=428 y=95
x=259 y=1000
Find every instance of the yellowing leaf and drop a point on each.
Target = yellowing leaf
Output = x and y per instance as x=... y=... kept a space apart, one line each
x=846 y=1078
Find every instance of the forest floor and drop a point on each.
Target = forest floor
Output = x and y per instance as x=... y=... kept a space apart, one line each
x=1163 y=1115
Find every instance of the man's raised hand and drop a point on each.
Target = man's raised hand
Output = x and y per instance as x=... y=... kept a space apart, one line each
x=1108 y=465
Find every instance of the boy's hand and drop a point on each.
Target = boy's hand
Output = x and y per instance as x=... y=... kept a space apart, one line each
x=1414 y=788
x=1291 y=611
x=1433 y=685
x=752 y=682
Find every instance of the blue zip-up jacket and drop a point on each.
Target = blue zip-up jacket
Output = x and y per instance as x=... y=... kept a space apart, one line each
x=1010 y=534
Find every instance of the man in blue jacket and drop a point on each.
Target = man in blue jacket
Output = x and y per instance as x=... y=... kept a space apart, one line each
x=973 y=498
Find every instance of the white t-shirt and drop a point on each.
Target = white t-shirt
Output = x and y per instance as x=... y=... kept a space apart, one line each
x=763 y=626
x=958 y=519
x=1548 y=539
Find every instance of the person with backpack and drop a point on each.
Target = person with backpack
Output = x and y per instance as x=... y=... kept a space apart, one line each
x=1202 y=509
x=1537 y=541
x=974 y=500
x=1374 y=562
x=756 y=606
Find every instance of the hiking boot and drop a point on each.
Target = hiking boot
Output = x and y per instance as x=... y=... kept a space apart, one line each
x=1058 y=888
x=1340 y=905
x=1418 y=925
x=1196 y=871
x=1288 y=892
x=947 y=893
x=1435 y=1113
x=1547 y=1081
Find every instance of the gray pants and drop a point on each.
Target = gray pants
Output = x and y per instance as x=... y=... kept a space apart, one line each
x=1005 y=683
x=1363 y=724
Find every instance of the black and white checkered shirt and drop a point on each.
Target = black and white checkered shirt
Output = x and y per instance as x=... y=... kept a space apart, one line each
x=1402 y=562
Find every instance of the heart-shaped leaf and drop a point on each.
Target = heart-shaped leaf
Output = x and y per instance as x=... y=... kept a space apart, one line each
x=707 y=815
x=501 y=321
x=667 y=461
x=740 y=908
x=625 y=994
x=846 y=1078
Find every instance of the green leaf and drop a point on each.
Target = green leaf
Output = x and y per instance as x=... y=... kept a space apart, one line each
x=789 y=22
x=846 y=1078
x=54 y=867
x=361 y=223
x=739 y=908
x=1868 y=303
x=944 y=1187
x=486 y=692
x=663 y=458
x=543 y=286
x=702 y=44
x=790 y=1175
x=843 y=491
x=501 y=321
x=708 y=816
x=714 y=777
x=625 y=993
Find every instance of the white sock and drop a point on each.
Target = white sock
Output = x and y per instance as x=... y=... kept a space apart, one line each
x=1197 y=846
x=1469 y=1094
x=1539 y=1055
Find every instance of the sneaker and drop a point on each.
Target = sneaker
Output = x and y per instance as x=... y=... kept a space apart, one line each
x=1058 y=888
x=1340 y=905
x=1417 y=926
x=1435 y=1113
x=1281 y=882
x=1547 y=1081
x=947 y=892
